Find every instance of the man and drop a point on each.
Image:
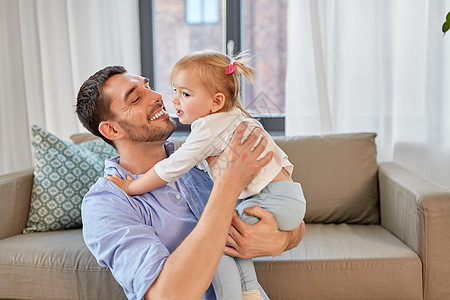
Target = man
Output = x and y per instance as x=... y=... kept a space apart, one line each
x=166 y=243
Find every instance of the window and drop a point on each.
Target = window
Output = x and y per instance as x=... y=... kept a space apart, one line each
x=171 y=29
x=202 y=11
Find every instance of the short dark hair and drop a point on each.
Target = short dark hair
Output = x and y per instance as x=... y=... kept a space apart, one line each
x=93 y=107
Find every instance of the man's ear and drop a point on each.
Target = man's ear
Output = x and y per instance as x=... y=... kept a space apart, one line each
x=218 y=102
x=109 y=130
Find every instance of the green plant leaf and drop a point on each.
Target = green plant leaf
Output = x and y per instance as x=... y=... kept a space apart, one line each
x=445 y=27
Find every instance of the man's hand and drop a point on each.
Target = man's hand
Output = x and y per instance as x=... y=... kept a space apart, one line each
x=238 y=164
x=262 y=238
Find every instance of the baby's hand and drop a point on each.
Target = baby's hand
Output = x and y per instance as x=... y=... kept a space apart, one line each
x=122 y=183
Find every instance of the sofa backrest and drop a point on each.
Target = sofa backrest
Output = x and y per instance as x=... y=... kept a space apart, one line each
x=338 y=174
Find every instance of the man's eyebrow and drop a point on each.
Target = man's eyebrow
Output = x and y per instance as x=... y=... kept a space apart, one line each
x=131 y=90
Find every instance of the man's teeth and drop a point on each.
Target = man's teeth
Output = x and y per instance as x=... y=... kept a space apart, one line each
x=160 y=114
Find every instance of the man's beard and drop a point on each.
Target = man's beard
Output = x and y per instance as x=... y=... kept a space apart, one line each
x=145 y=133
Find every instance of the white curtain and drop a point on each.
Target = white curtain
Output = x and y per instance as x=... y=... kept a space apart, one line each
x=369 y=65
x=48 y=48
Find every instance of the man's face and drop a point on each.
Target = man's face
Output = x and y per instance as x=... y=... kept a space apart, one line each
x=138 y=109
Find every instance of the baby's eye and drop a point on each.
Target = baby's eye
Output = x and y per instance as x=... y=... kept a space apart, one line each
x=174 y=90
x=185 y=94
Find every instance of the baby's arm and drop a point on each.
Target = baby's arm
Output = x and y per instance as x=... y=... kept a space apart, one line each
x=199 y=144
x=147 y=182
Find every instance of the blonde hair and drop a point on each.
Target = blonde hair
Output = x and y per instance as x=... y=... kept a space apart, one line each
x=210 y=66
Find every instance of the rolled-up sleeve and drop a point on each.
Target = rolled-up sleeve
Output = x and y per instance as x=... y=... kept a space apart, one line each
x=114 y=231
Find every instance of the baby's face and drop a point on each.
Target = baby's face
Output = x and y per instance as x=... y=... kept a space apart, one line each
x=192 y=99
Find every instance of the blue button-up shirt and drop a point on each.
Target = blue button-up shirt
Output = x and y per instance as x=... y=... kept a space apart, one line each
x=134 y=236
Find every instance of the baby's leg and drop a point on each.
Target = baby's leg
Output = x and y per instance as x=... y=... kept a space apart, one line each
x=247 y=272
x=227 y=279
x=284 y=199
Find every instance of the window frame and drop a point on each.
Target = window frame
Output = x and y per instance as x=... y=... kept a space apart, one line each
x=275 y=125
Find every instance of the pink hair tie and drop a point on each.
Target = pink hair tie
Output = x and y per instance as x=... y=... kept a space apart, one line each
x=231 y=68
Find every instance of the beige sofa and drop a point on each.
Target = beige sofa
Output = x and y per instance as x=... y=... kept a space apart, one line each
x=374 y=231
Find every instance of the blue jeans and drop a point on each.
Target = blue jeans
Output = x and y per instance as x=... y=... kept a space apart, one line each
x=285 y=200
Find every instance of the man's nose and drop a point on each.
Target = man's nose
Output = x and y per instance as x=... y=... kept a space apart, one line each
x=155 y=97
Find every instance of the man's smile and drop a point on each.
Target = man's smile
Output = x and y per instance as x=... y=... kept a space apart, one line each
x=159 y=115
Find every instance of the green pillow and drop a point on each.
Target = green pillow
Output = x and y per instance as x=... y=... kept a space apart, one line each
x=63 y=173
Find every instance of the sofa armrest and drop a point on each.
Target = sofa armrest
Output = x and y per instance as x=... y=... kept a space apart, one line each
x=15 y=195
x=418 y=212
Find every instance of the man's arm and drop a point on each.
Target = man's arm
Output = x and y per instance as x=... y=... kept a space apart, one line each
x=261 y=239
x=191 y=267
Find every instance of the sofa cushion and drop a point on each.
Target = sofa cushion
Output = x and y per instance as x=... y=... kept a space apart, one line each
x=343 y=261
x=63 y=173
x=338 y=174
x=53 y=265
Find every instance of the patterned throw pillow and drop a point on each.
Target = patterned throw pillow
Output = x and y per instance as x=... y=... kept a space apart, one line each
x=63 y=173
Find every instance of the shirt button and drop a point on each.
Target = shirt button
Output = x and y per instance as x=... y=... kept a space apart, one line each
x=178 y=197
